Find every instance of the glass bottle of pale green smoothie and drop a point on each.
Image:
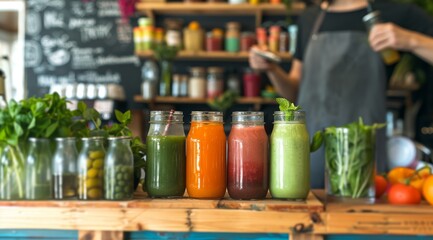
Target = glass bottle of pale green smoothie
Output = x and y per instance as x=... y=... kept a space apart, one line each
x=290 y=156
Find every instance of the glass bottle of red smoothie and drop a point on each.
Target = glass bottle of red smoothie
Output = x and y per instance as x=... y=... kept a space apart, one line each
x=248 y=156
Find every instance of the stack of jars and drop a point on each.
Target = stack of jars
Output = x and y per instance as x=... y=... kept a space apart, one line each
x=198 y=163
x=277 y=41
x=91 y=174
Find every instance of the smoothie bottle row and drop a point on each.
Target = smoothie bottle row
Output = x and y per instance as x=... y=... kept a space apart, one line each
x=201 y=163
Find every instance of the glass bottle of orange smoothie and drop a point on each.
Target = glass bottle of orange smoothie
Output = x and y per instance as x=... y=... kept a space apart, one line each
x=206 y=156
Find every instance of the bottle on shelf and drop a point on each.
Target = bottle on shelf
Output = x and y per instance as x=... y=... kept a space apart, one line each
x=232 y=37
x=215 y=81
x=149 y=76
x=197 y=83
x=193 y=37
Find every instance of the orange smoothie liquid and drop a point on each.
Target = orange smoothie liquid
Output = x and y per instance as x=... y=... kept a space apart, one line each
x=206 y=160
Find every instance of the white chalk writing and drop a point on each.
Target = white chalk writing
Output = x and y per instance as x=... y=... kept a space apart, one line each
x=39 y=5
x=53 y=19
x=115 y=60
x=48 y=80
x=82 y=9
x=94 y=77
x=33 y=23
x=33 y=53
x=96 y=32
x=124 y=31
x=108 y=9
x=80 y=22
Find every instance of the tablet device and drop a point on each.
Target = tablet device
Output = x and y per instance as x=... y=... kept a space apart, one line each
x=267 y=55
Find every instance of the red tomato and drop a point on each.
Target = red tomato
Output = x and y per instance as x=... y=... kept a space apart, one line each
x=403 y=194
x=381 y=184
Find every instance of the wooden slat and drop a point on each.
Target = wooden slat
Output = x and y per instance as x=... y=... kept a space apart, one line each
x=379 y=223
x=186 y=100
x=100 y=235
x=217 y=56
x=211 y=8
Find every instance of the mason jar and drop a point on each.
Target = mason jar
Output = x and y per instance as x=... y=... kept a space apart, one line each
x=215 y=81
x=119 y=169
x=91 y=169
x=248 y=158
x=39 y=184
x=206 y=156
x=166 y=159
x=65 y=168
x=290 y=156
x=12 y=173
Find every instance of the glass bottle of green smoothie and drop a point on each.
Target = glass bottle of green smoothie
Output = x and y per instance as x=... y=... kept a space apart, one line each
x=290 y=156
x=166 y=159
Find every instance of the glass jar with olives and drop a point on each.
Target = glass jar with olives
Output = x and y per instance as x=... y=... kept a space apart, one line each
x=118 y=169
x=91 y=169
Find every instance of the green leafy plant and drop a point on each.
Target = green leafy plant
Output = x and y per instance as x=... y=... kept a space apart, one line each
x=89 y=116
x=224 y=101
x=287 y=107
x=349 y=154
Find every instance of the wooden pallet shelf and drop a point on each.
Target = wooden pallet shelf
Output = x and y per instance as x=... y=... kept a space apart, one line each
x=212 y=8
x=217 y=56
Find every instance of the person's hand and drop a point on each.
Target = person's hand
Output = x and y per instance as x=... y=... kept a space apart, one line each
x=259 y=63
x=389 y=35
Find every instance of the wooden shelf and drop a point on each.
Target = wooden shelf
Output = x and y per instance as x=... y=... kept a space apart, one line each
x=147 y=214
x=217 y=56
x=209 y=8
x=187 y=100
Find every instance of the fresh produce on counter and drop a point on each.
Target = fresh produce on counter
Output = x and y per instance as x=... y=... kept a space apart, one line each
x=404 y=185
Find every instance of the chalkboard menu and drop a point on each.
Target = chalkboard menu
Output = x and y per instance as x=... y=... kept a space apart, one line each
x=78 y=41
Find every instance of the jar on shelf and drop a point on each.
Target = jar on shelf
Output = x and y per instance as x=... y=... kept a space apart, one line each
x=158 y=36
x=65 y=168
x=39 y=170
x=234 y=83
x=247 y=41
x=183 y=85
x=91 y=169
x=193 y=37
x=214 y=40
x=274 y=37
x=138 y=40
x=149 y=78
x=252 y=83
x=146 y=26
x=248 y=161
x=261 y=37
x=215 y=81
x=283 y=42
x=197 y=83
x=119 y=169
x=206 y=156
x=173 y=35
x=232 y=37
x=12 y=169
x=166 y=158
x=290 y=156
x=175 y=88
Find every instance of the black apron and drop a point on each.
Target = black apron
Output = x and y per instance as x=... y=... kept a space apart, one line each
x=342 y=79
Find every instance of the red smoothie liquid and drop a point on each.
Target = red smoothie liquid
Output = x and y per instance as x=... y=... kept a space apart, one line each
x=248 y=162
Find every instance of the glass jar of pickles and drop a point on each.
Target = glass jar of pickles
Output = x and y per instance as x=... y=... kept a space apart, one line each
x=119 y=169
x=90 y=169
x=65 y=168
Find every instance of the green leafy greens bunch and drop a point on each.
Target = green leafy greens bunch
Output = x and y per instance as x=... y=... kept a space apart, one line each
x=350 y=162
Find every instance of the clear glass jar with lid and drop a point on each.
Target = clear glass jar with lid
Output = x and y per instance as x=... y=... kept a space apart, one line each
x=206 y=156
x=39 y=170
x=197 y=83
x=65 y=168
x=290 y=156
x=248 y=156
x=166 y=158
x=119 y=169
x=90 y=168
x=215 y=81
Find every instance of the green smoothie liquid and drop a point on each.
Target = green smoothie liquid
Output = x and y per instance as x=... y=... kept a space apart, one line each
x=290 y=161
x=165 y=167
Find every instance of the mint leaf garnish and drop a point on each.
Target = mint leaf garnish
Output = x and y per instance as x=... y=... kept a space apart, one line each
x=287 y=107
